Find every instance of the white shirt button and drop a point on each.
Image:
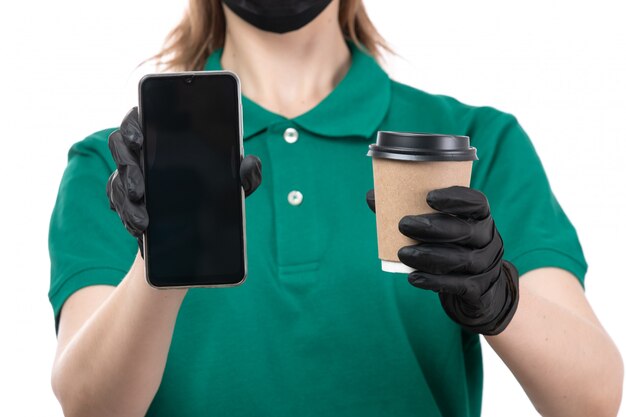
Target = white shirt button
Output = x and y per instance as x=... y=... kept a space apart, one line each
x=290 y=135
x=294 y=198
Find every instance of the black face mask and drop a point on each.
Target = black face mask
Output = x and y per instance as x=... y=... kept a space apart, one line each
x=278 y=16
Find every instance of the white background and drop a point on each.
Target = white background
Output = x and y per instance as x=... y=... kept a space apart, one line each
x=68 y=70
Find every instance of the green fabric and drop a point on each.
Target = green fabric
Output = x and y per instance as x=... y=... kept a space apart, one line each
x=318 y=329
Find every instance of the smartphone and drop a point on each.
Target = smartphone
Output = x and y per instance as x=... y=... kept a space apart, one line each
x=192 y=151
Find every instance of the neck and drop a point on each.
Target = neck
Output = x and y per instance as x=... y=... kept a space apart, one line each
x=287 y=73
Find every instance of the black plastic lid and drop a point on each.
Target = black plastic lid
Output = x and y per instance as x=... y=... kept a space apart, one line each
x=408 y=146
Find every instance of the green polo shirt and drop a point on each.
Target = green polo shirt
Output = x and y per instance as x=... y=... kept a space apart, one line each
x=318 y=329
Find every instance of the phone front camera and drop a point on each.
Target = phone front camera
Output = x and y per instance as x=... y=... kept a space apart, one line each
x=188 y=80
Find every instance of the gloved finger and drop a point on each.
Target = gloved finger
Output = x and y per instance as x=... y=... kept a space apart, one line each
x=116 y=191
x=250 y=172
x=460 y=201
x=444 y=258
x=446 y=228
x=471 y=287
x=128 y=166
x=134 y=216
x=369 y=199
x=452 y=284
x=122 y=155
x=131 y=131
x=132 y=178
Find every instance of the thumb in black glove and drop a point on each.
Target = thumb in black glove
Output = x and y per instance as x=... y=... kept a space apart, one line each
x=125 y=187
x=460 y=257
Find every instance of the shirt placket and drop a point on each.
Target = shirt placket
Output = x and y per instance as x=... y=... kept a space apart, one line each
x=294 y=196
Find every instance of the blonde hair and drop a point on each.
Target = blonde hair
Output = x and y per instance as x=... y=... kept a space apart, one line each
x=202 y=31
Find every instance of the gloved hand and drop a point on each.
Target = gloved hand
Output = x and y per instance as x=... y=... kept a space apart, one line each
x=125 y=187
x=459 y=255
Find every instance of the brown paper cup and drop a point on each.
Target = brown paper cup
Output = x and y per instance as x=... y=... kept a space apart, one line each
x=407 y=166
x=400 y=189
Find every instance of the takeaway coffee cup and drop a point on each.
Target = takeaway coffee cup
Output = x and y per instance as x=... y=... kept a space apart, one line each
x=406 y=167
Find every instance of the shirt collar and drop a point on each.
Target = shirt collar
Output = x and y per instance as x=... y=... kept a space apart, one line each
x=356 y=106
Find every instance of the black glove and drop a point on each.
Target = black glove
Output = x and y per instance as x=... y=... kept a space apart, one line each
x=460 y=257
x=125 y=187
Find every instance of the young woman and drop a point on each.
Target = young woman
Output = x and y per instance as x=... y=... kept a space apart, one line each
x=318 y=329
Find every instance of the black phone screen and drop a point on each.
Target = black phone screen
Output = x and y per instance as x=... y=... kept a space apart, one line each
x=191 y=160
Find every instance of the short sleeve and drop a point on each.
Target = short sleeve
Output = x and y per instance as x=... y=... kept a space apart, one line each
x=533 y=225
x=87 y=241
